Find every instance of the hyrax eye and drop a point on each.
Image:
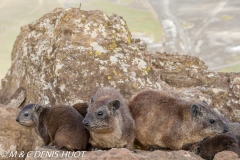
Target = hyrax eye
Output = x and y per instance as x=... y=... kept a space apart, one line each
x=211 y=120
x=100 y=113
x=26 y=114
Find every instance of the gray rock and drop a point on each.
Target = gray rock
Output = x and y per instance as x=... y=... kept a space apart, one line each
x=17 y=98
x=226 y=155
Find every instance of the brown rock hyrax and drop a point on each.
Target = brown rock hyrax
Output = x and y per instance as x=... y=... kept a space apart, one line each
x=61 y=125
x=208 y=147
x=168 y=122
x=109 y=120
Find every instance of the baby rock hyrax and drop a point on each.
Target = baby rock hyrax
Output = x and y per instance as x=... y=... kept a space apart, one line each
x=165 y=121
x=109 y=121
x=208 y=147
x=61 y=125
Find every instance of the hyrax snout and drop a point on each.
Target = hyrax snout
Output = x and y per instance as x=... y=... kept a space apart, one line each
x=61 y=125
x=109 y=121
x=169 y=122
x=102 y=117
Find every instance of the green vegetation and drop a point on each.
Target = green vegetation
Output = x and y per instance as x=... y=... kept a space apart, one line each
x=13 y=15
x=235 y=68
x=126 y=1
x=226 y=17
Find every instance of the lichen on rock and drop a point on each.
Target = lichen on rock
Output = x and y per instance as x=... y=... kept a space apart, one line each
x=67 y=54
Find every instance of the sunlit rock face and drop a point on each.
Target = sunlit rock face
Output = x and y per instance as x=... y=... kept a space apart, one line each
x=66 y=55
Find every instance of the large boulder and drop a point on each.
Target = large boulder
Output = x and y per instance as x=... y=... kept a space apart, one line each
x=63 y=58
x=67 y=54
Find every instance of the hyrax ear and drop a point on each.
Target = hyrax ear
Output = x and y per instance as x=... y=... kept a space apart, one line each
x=195 y=110
x=38 y=108
x=115 y=105
x=197 y=150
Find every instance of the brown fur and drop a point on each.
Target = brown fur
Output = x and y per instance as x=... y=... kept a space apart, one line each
x=208 y=147
x=61 y=125
x=114 y=128
x=81 y=108
x=168 y=122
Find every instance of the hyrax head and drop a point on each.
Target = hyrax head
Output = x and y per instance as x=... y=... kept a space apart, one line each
x=208 y=121
x=100 y=116
x=196 y=147
x=29 y=115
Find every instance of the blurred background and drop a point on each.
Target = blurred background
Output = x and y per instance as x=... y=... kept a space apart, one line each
x=207 y=29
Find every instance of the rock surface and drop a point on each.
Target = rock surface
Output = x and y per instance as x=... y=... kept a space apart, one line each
x=112 y=154
x=66 y=55
x=17 y=98
x=226 y=155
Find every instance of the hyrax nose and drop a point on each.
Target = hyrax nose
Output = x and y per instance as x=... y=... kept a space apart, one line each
x=85 y=122
x=225 y=129
x=17 y=120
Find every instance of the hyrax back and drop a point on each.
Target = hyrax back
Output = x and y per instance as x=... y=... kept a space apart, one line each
x=166 y=121
x=109 y=120
x=208 y=147
x=61 y=125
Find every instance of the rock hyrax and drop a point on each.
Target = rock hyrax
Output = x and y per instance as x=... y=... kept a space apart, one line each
x=208 y=147
x=169 y=122
x=61 y=125
x=109 y=121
